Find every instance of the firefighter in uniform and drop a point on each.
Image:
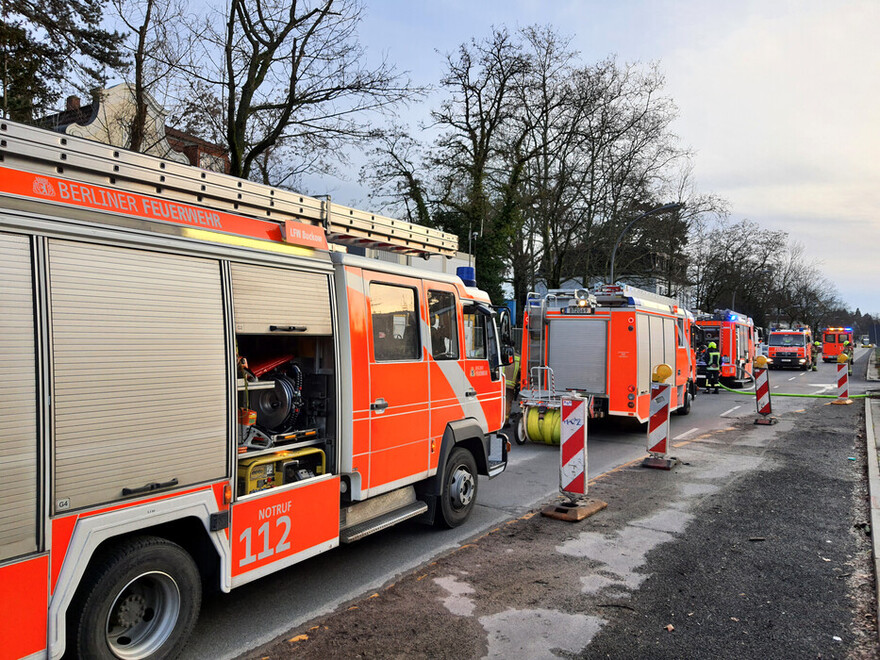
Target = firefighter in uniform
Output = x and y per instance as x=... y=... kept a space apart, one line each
x=814 y=353
x=713 y=368
x=848 y=351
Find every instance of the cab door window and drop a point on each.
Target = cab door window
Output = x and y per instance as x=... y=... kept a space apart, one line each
x=475 y=334
x=394 y=316
x=444 y=325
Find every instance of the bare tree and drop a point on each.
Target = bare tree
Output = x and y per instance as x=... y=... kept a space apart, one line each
x=394 y=174
x=152 y=45
x=292 y=79
x=481 y=78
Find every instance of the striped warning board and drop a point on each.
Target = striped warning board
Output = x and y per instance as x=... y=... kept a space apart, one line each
x=842 y=381
x=573 y=448
x=658 y=424
x=762 y=391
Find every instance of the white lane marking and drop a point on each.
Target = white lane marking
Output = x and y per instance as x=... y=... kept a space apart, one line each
x=793 y=377
x=776 y=387
x=686 y=433
x=729 y=411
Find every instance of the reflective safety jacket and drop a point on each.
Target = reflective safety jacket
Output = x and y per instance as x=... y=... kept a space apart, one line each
x=713 y=361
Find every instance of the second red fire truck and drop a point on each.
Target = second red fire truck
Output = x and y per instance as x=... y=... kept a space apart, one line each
x=603 y=345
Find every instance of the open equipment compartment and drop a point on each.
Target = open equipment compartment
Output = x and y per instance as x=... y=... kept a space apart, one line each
x=286 y=387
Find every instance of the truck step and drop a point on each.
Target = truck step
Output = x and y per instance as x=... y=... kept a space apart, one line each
x=384 y=521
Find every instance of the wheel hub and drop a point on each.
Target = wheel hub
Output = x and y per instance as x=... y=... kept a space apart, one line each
x=130 y=611
x=462 y=488
x=143 y=615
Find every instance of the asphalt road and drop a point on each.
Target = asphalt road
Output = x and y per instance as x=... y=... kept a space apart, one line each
x=231 y=624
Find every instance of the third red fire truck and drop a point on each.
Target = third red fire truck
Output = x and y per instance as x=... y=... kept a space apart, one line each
x=734 y=336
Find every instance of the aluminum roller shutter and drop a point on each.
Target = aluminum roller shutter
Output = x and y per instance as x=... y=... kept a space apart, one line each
x=669 y=343
x=264 y=296
x=588 y=342
x=18 y=424
x=140 y=378
x=643 y=339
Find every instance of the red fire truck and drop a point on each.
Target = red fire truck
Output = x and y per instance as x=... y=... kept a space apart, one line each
x=790 y=347
x=197 y=387
x=832 y=342
x=734 y=335
x=603 y=345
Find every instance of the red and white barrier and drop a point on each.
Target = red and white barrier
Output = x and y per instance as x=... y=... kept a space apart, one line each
x=658 y=423
x=762 y=391
x=762 y=396
x=573 y=448
x=842 y=380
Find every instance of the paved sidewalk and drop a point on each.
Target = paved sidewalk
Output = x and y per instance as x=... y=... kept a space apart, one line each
x=757 y=545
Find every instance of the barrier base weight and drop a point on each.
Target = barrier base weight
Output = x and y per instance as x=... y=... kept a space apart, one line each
x=574 y=511
x=766 y=421
x=841 y=402
x=659 y=463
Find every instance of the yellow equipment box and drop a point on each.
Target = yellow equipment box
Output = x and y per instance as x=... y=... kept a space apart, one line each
x=282 y=467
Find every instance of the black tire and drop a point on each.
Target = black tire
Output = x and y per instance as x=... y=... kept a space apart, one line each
x=519 y=430
x=685 y=408
x=140 y=598
x=459 y=493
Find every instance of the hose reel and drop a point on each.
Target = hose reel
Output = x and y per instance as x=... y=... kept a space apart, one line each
x=278 y=408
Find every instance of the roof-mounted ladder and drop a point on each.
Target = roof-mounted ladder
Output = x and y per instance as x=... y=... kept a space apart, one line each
x=45 y=152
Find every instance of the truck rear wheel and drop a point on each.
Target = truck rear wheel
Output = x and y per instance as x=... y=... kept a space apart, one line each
x=685 y=408
x=459 y=492
x=138 y=599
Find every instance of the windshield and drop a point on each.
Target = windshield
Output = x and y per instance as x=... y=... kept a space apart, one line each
x=786 y=339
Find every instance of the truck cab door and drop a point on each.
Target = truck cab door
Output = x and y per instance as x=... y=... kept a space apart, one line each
x=482 y=352
x=399 y=389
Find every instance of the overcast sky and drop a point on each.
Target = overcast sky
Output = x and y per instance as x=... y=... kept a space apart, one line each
x=780 y=100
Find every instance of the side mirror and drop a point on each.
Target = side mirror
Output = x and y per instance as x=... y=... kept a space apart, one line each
x=508 y=355
x=505 y=325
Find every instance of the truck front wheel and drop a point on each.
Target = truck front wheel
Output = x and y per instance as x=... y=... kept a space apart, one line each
x=459 y=492
x=139 y=599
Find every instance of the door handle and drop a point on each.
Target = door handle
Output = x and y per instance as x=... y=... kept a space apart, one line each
x=471 y=393
x=379 y=405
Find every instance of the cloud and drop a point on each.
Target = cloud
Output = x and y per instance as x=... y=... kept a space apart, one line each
x=779 y=100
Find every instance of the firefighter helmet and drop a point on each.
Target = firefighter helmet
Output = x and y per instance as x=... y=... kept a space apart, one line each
x=712 y=344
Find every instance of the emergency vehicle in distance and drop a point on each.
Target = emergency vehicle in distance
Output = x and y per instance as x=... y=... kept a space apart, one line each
x=832 y=342
x=197 y=387
x=603 y=345
x=734 y=336
x=790 y=348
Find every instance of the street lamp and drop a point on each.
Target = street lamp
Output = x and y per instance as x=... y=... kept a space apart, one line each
x=666 y=208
